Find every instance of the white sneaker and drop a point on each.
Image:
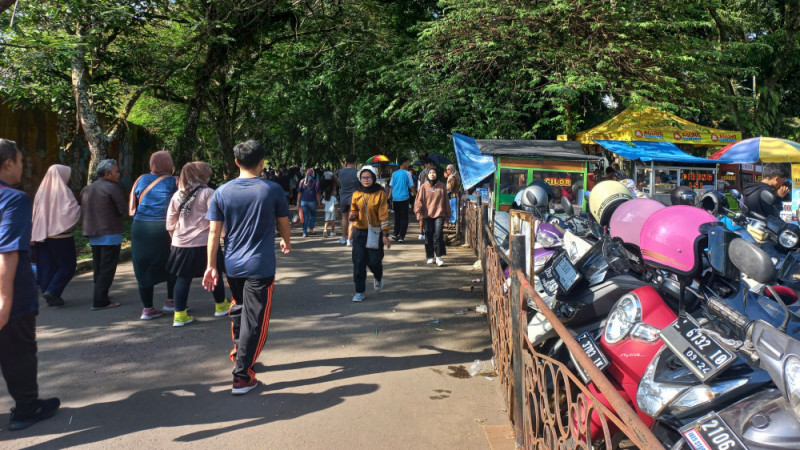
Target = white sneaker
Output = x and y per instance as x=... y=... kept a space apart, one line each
x=430 y=260
x=349 y=243
x=378 y=285
x=359 y=297
x=439 y=262
x=421 y=237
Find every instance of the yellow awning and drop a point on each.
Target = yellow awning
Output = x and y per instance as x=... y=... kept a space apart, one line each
x=653 y=125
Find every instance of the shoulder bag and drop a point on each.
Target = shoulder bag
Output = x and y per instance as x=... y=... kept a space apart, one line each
x=373 y=233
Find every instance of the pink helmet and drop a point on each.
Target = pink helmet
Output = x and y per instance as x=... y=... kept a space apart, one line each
x=671 y=239
x=629 y=217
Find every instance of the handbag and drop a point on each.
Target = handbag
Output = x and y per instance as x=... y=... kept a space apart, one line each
x=373 y=233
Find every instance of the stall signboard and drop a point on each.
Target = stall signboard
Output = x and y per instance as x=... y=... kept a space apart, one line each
x=795 y=190
x=514 y=174
x=696 y=179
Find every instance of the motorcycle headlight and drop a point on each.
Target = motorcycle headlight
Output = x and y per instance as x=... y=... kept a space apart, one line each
x=654 y=397
x=644 y=332
x=788 y=239
x=625 y=314
x=791 y=375
x=547 y=240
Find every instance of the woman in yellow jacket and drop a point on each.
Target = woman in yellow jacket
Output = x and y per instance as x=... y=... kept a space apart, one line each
x=368 y=207
x=432 y=208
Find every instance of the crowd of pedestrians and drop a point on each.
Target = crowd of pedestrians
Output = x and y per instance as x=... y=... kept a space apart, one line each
x=177 y=224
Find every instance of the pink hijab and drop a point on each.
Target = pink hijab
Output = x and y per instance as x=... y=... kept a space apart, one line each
x=55 y=209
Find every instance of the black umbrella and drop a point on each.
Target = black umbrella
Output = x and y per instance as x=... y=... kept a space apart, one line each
x=418 y=163
x=439 y=159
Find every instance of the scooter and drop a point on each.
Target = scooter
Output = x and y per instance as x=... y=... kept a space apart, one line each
x=766 y=420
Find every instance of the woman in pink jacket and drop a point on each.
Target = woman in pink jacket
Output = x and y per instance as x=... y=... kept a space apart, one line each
x=432 y=207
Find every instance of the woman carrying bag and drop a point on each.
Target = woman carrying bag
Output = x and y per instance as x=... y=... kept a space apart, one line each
x=150 y=240
x=369 y=216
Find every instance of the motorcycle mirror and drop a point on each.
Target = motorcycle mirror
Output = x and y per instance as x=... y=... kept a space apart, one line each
x=752 y=261
x=567 y=206
x=615 y=254
x=587 y=194
x=767 y=197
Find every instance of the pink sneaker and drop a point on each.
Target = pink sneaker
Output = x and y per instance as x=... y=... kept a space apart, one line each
x=148 y=314
x=169 y=305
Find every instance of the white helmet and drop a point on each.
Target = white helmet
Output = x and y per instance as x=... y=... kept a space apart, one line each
x=370 y=168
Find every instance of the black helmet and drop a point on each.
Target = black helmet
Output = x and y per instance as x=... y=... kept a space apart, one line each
x=712 y=201
x=682 y=195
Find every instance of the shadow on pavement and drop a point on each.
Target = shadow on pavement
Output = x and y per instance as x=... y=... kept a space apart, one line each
x=188 y=405
x=357 y=366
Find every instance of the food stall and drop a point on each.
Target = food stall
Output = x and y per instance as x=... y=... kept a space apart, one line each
x=648 y=138
x=518 y=163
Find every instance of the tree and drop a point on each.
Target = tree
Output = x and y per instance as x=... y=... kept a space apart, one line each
x=92 y=57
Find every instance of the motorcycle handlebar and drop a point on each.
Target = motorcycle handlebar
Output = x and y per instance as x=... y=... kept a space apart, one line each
x=728 y=314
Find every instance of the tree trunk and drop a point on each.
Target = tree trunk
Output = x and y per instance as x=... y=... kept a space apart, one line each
x=87 y=116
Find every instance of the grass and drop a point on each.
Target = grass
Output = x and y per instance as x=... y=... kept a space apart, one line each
x=84 y=250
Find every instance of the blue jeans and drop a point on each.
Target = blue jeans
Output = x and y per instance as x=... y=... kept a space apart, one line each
x=453 y=209
x=310 y=215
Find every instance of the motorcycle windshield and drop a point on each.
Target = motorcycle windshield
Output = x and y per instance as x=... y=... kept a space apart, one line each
x=593 y=265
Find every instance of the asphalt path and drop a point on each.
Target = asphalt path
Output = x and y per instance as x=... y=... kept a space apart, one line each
x=391 y=372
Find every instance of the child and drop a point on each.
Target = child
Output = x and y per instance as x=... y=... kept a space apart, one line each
x=330 y=202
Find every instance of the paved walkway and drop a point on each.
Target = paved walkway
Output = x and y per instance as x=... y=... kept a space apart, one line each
x=387 y=373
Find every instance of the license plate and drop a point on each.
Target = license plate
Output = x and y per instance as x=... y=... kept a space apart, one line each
x=592 y=351
x=710 y=432
x=701 y=353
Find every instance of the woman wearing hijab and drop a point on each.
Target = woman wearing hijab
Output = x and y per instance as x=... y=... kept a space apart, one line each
x=150 y=240
x=432 y=207
x=369 y=206
x=187 y=223
x=309 y=200
x=55 y=212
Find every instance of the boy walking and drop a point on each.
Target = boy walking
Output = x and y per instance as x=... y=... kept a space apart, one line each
x=249 y=207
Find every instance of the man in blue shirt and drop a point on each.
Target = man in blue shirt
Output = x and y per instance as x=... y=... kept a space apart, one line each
x=249 y=208
x=400 y=189
x=19 y=301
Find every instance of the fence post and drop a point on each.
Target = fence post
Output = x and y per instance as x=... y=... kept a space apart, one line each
x=517 y=250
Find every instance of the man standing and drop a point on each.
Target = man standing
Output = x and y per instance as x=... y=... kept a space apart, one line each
x=102 y=209
x=453 y=190
x=400 y=190
x=19 y=301
x=774 y=179
x=348 y=182
x=249 y=208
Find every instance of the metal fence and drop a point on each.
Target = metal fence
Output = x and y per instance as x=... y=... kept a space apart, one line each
x=548 y=405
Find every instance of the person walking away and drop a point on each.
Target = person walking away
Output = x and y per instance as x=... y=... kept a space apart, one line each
x=188 y=226
x=309 y=200
x=369 y=209
x=249 y=208
x=19 y=303
x=102 y=208
x=348 y=183
x=330 y=202
x=453 y=191
x=150 y=241
x=285 y=182
x=400 y=189
x=55 y=212
x=432 y=208
x=774 y=177
x=421 y=180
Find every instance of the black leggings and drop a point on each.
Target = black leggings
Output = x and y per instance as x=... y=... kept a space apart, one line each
x=146 y=293
x=182 y=285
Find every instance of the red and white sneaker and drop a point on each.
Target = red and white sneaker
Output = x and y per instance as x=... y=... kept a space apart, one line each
x=241 y=387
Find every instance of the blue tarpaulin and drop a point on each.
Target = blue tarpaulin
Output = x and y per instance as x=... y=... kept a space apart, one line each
x=472 y=165
x=654 y=151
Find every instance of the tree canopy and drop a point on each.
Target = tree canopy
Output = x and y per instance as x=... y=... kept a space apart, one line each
x=315 y=80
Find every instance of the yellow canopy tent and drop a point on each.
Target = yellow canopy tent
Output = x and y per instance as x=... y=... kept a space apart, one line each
x=653 y=125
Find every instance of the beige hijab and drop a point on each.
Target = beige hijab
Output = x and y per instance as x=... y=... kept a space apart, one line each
x=55 y=209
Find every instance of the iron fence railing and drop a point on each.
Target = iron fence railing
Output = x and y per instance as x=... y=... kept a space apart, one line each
x=548 y=405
